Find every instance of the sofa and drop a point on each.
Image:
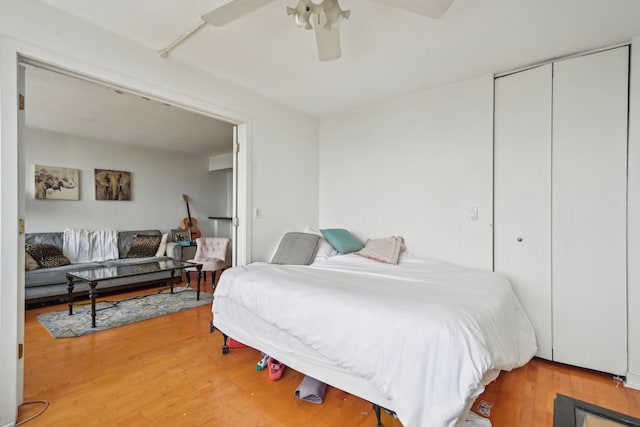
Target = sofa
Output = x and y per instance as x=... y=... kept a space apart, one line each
x=48 y=284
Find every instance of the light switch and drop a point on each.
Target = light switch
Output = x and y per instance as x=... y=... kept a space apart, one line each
x=472 y=214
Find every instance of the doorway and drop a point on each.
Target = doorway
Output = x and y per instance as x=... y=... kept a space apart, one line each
x=65 y=111
x=240 y=188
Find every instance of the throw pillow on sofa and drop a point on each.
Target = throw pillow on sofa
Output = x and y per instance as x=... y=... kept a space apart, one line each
x=162 y=249
x=144 y=246
x=46 y=255
x=30 y=263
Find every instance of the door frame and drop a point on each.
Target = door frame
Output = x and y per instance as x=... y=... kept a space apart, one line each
x=12 y=53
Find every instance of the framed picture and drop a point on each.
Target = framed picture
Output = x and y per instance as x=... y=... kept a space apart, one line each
x=112 y=185
x=56 y=183
x=181 y=236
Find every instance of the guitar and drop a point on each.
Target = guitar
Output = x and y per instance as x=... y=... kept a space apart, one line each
x=190 y=223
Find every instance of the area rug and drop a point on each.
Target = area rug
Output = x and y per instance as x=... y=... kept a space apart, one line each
x=111 y=314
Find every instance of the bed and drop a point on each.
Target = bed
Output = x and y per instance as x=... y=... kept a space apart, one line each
x=421 y=338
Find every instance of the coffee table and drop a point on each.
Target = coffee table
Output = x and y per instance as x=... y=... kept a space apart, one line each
x=96 y=276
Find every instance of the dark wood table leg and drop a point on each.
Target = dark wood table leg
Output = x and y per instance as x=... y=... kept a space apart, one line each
x=93 y=294
x=199 y=268
x=70 y=288
x=173 y=279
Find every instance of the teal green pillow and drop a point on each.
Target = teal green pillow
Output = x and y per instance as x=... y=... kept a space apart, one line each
x=343 y=241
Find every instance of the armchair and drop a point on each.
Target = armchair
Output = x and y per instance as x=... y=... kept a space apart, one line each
x=214 y=255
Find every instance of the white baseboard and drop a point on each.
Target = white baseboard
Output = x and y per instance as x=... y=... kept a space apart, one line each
x=632 y=381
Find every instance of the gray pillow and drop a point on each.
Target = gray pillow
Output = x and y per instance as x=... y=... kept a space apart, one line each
x=296 y=249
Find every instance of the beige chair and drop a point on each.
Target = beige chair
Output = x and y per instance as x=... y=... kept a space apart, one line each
x=214 y=254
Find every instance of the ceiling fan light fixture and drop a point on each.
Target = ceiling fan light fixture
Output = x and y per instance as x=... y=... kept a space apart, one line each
x=322 y=16
x=302 y=14
x=326 y=15
x=334 y=14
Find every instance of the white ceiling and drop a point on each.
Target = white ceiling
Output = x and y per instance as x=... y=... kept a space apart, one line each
x=386 y=51
x=67 y=105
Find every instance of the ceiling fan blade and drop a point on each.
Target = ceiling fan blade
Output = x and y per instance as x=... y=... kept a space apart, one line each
x=328 y=42
x=233 y=10
x=431 y=8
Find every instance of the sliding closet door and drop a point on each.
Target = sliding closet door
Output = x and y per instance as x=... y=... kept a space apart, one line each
x=589 y=169
x=522 y=193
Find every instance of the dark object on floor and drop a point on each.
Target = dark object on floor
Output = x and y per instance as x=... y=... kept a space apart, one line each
x=275 y=369
x=570 y=412
x=311 y=390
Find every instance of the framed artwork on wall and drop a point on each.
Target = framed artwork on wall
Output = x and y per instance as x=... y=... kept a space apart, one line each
x=181 y=236
x=112 y=185
x=56 y=183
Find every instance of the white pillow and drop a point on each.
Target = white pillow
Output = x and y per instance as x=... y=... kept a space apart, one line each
x=162 y=249
x=325 y=250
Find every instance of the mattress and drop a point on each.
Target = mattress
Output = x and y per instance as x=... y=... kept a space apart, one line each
x=422 y=338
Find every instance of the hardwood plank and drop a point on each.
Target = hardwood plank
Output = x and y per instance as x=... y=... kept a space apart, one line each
x=170 y=371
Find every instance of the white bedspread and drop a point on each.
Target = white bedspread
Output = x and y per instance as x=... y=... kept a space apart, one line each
x=90 y=245
x=424 y=333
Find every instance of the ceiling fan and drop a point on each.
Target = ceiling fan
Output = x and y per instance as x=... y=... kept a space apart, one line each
x=322 y=16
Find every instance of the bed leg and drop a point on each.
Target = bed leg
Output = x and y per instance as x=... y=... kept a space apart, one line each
x=376 y=409
x=225 y=347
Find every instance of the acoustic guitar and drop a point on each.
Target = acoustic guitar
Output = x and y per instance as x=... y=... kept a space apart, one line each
x=189 y=222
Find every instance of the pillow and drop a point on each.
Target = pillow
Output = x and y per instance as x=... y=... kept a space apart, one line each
x=296 y=249
x=310 y=230
x=384 y=250
x=162 y=249
x=343 y=241
x=30 y=263
x=144 y=246
x=325 y=250
x=46 y=255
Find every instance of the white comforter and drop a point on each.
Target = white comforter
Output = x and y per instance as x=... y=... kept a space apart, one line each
x=424 y=333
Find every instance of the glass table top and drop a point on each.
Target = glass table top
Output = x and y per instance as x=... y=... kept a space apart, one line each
x=116 y=271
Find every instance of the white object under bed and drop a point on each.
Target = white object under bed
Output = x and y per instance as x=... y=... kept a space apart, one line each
x=421 y=338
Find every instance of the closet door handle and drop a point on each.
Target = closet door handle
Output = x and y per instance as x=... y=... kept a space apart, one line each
x=519 y=239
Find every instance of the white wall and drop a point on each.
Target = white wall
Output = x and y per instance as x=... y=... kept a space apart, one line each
x=633 y=215
x=279 y=139
x=221 y=202
x=412 y=167
x=11 y=310
x=159 y=179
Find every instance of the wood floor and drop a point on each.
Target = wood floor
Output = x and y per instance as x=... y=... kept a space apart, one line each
x=169 y=371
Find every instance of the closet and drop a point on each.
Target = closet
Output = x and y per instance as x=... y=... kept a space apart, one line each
x=560 y=185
